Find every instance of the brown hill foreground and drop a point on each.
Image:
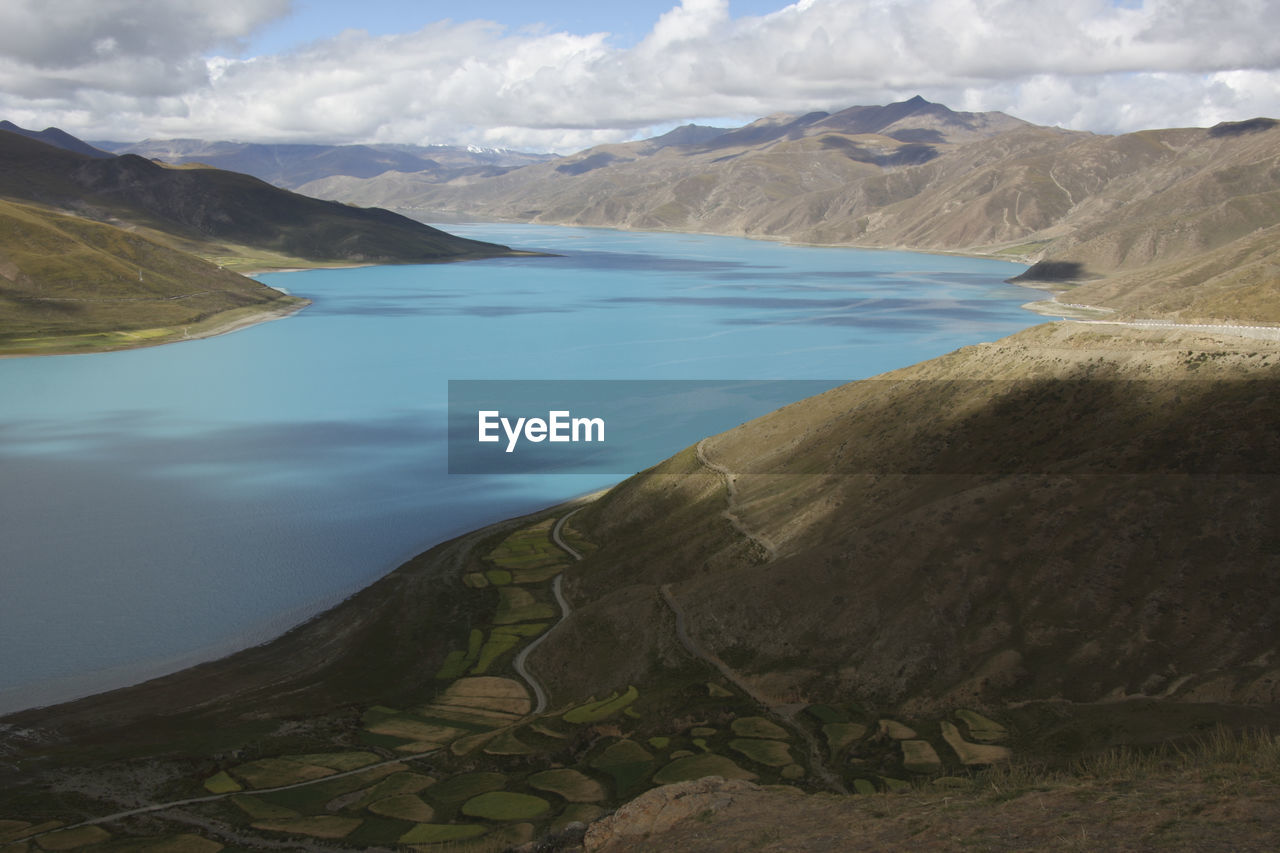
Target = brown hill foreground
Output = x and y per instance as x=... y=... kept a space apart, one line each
x=1018 y=555
x=1179 y=223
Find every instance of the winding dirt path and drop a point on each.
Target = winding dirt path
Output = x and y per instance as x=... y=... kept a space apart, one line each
x=520 y=663
x=731 y=488
x=785 y=714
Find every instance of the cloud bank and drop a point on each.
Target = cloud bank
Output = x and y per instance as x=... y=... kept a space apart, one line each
x=126 y=69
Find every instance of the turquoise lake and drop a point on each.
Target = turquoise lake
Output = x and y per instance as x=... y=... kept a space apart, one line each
x=163 y=506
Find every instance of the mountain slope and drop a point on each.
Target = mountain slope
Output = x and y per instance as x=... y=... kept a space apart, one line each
x=71 y=284
x=205 y=206
x=57 y=138
x=1062 y=515
x=1133 y=209
x=290 y=166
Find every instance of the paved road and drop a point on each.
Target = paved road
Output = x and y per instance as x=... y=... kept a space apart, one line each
x=1261 y=333
x=520 y=662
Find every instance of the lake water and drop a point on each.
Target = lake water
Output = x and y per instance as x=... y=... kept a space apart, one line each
x=163 y=506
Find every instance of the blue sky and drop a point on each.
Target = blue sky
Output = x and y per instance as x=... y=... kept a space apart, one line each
x=627 y=22
x=564 y=75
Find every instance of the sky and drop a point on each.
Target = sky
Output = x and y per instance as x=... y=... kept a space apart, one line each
x=563 y=75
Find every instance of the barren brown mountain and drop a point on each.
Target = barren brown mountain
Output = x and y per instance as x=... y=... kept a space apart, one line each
x=1139 y=218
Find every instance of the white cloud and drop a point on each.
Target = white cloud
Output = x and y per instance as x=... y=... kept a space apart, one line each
x=58 y=48
x=1086 y=64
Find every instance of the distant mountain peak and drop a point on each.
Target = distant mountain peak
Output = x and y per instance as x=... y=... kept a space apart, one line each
x=57 y=138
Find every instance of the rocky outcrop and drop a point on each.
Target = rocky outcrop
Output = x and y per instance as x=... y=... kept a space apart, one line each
x=660 y=809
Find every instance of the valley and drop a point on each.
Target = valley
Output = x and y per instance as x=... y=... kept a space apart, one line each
x=775 y=605
x=1029 y=586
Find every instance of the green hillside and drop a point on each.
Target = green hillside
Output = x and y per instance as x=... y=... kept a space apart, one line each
x=70 y=284
x=102 y=252
x=208 y=209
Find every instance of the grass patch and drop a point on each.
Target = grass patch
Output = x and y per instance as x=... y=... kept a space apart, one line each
x=10 y=829
x=982 y=729
x=498 y=577
x=543 y=729
x=507 y=743
x=697 y=766
x=529 y=548
x=260 y=809
x=377 y=714
x=574 y=538
x=69 y=839
x=660 y=742
x=505 y=805
x=530 y=629
x=516 y=604
x=274 y=772
x=457 y=662
x=403 y=807
x=571 y=785
x=222 y=783
x=320 y=826
x=435 y=833
x=475 y=580
x=759 y=727
x=337 y=760
x=378 y=832
x=470 y=743
x=482 y=700
x=919 y=756
x=972 y=753
x=896 y=730
x=627 y=762
x=463 y=787
x=399 y=783
x=594 y=712
x=497 y=646
x=311 y=798
x=864 y=786
x=418 y=731
x=771 y=753
x=840 y=735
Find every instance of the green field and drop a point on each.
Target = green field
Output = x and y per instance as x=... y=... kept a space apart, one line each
x=504 y=805
x=697 y=766
x=571 y=785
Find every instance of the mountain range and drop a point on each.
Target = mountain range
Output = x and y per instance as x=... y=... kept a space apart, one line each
x=105 y=250
x=291 y=166
x=997 y=579
x=1180 y=223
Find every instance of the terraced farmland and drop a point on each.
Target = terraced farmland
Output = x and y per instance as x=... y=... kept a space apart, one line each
x=474 y=769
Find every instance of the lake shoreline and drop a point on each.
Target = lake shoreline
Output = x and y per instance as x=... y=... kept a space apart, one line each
x=209 y=465
x=222 y=323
